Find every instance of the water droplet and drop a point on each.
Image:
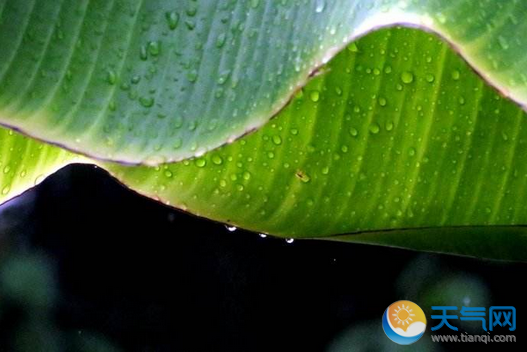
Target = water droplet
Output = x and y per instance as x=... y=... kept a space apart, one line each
x=389 y=126
x=143 y=53
x=6 y=190
x=314 y=95
x=290 y=240
x=255 y=3
x=407 y=77
x=220 y=41
x=231 y=228
x=147 y=102
x=277 y=140
x=154 y=48
x=192 y=10
x=430 y=78
x=216 y=159
x=262 y=235
x=411 y=151
x=172 y=19
x=111 y=77
x=192 y=76
x=455 y=75
x=320 y=5
x=374 y=128
x=190 y=25
x=353 y=47
x=39 y=179
x=200 y=162
x=354 y=132
x=382 y=101
x=325 y=170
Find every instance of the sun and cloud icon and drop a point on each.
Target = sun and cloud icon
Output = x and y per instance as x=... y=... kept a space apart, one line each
x=404 y=322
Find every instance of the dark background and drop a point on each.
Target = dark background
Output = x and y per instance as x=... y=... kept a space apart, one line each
x=87 y=265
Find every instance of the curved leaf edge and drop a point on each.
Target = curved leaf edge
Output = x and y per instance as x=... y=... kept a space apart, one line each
x=496 y=242
x=317 y=68
x=449 y=240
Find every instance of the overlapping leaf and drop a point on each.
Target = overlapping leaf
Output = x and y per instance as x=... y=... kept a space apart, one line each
x=398 y=137
x=397 y=142
x=154 y=81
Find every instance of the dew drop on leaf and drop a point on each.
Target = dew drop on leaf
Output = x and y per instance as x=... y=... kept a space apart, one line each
x=374 y=128
x=407 y=77
x=154 y=48
x=320 y=5
x=146 y=102
x=314 y=95
x=430 y=78
x=172 y=18
x=111 y=77
x=216 y=159
x=200 y=162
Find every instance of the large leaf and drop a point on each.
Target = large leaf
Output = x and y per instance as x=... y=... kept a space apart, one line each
x=397 y=137
x=162 y=80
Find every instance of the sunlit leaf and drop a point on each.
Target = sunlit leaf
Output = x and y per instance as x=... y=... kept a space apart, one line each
x=162 y=80
x=397 y=143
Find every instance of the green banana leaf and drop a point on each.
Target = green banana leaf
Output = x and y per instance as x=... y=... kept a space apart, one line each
x=162 y=80
x=395 y=142
x=398 y=142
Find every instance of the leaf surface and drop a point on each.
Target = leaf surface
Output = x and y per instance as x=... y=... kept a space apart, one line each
x=398 y=136
x=155 y=81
